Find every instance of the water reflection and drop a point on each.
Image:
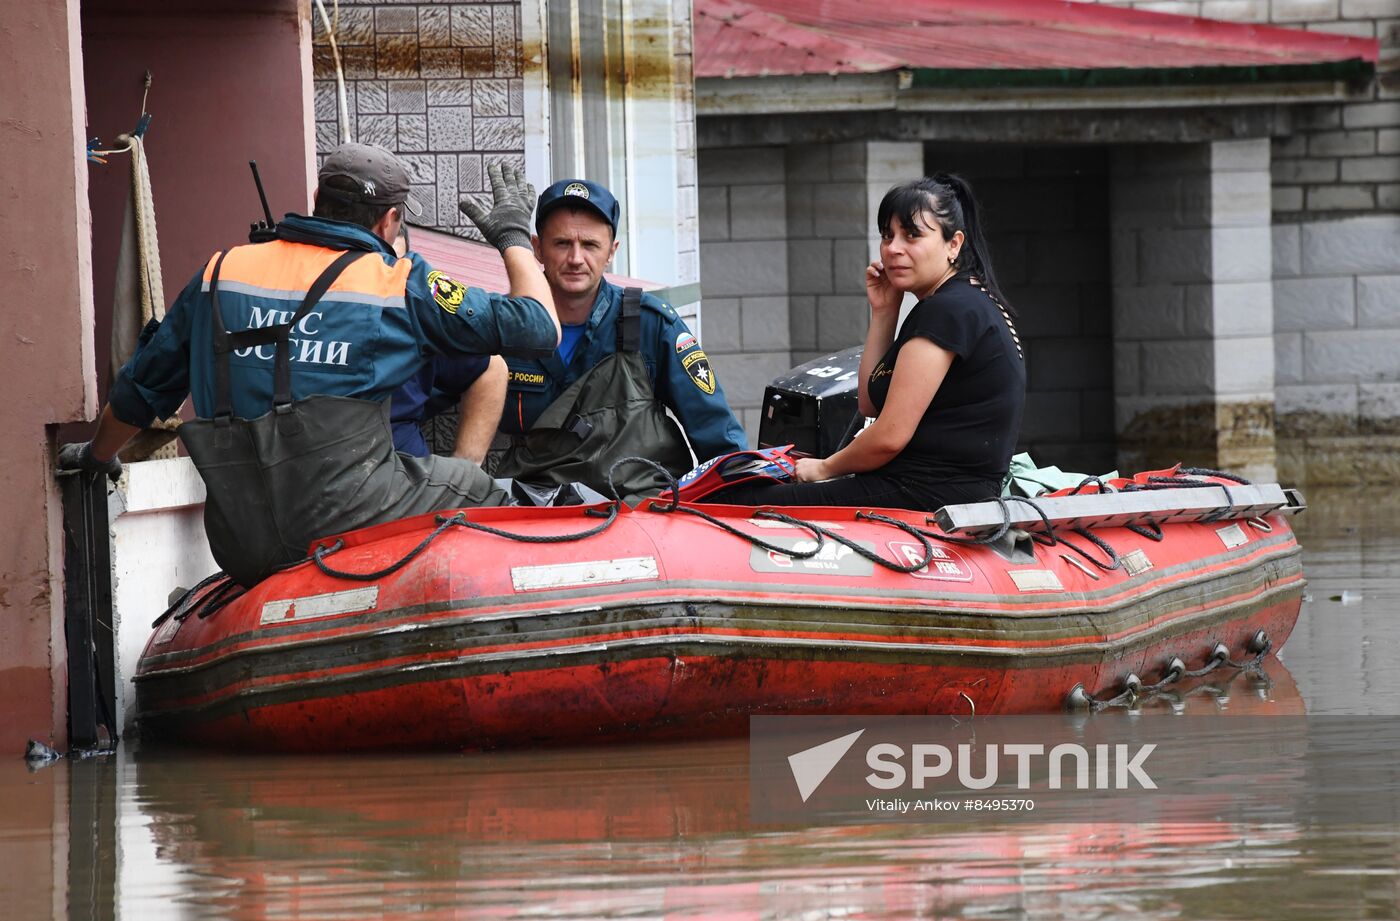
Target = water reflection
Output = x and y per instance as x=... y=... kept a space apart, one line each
x=1342 y=655
x=664 y=831
x=637 y=830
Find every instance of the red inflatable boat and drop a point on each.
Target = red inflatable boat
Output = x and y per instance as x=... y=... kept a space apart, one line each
x=534 y=626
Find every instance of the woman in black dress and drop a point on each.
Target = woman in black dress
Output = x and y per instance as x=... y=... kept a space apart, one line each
x=946 y=389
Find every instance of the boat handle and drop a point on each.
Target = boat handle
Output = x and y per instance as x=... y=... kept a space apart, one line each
x=1080 y=566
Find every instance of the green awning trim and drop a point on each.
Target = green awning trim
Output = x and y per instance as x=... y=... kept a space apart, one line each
x=963 y=78
x=679 y=295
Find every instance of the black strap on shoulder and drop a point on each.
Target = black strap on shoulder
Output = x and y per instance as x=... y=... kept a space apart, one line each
x=223 y=406
x=225 y=342
x=629 y=324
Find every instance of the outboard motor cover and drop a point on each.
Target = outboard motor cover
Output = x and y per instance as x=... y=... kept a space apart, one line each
x=814 y=407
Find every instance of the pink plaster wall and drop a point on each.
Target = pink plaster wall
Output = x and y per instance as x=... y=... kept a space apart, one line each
x=229 y=86
x=46 y=347
x=232 y=83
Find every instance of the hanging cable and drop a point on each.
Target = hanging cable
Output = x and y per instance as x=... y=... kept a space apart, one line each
x=342 y=101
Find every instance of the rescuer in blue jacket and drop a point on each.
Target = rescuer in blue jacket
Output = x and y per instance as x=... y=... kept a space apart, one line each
x=376 y=327
x=625 y=357
x=292 y=346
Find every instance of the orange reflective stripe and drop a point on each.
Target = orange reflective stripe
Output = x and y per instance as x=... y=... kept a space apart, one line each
x=281 y=265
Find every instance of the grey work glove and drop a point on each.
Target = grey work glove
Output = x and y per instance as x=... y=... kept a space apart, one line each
x=80 y=457
x=512 y=200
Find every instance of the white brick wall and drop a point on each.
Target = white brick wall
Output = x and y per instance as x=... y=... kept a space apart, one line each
x=1193 y=299
x=745 y=265
x=1337 y=296
x=1344 y=158
x=688 y=250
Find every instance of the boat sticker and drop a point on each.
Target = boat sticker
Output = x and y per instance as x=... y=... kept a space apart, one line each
x=787 y=525
x=697 y=365
x=1136 y=562
x=947 y=565
x=1232 y=536
x=833 y=560
x=593 y=572
x=311 y=607
x=167 y=631
x=685 y=339
x=1035 y=580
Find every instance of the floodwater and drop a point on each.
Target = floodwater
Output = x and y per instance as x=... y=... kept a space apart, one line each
x=664 y=831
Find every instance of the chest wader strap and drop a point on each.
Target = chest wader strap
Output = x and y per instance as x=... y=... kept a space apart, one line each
x=629 y=324
x=225 y=342
x=629 y=339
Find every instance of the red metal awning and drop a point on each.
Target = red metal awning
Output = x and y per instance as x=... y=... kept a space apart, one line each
x=757 y=38
x=480 y=266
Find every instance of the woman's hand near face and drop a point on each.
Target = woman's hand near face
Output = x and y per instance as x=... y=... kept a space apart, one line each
x=884 y=297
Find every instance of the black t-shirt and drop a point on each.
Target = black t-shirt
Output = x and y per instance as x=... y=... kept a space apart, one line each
x=969 y=430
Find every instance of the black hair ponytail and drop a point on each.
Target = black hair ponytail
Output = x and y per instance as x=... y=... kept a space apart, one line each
x=949 y=200
x=975 y=257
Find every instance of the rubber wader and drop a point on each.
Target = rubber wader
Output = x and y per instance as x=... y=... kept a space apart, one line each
x=311 y=467
x=607 y=414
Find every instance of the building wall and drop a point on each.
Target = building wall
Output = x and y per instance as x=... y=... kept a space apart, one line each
x=788 y=231
x=197 y=152
x=1337 y=321
x=833 y=193
x=1193 y=306
x=158 y=545
x=55 y=340
x=46 y=349
x=1335 y=201
x=443 y=83
x=438 y=83
x=1046 y=216
x=687 y=178
x=744 y=256
x=1342 y=159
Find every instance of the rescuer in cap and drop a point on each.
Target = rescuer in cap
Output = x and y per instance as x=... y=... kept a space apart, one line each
x=624 y=359
x=291 y=349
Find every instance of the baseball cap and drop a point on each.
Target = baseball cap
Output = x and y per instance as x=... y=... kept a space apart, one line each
x=582 y=191
x=381 y=176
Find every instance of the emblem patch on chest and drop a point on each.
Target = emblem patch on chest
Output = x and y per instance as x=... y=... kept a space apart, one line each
x=697 y=366
x=449 y=294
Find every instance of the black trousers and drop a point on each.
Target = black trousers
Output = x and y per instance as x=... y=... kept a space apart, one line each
x=868 y=490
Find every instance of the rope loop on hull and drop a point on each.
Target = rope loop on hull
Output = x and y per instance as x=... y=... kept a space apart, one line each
x=1175 y=670
x=458 y=520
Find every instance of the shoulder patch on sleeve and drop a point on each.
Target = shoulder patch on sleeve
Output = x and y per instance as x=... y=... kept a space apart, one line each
x=697 y=368
x=448 y=293
x=685 y=340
